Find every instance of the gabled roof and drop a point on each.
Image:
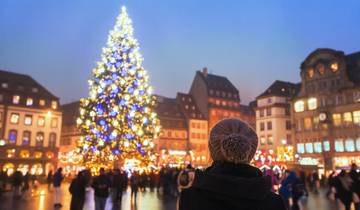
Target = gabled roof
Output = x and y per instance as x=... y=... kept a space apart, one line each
x=281 y=88
x=169 y=113
x=353 y=67
x=70 y=113
x=216 y=82
x=23 y=84
x=189 y=107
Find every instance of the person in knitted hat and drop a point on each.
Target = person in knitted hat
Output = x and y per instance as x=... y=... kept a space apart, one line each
x=231 y=183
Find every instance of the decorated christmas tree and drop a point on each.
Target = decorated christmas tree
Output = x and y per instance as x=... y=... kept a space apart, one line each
x=117 y=120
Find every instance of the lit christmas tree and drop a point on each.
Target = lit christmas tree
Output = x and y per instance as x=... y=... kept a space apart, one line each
x=117 y=119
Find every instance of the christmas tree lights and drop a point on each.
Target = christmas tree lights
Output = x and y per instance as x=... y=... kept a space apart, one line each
x=117 y=119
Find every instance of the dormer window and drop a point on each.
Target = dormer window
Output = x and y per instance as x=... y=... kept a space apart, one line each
x=42 y=102
x=321 y=68
x=29 y=102
x=334 y=66
x=310 y=73
x=16 y=99
x=299 y=106
x=312 y=103
x=54 y=105
x=34 y=90
x=4 y=85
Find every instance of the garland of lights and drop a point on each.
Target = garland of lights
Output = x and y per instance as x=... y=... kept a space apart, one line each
x=117 y=119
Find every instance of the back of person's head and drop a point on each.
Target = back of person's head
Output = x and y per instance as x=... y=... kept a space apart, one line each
x=102 y=171
x=232 y=140
x=60 y=169
x=189 y=166
x=353 y=166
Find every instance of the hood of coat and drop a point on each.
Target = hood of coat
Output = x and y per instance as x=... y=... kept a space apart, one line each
x=234 y=180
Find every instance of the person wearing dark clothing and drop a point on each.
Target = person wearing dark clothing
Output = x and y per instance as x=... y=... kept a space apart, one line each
x=231 y=183
x=343 y=184
x=26 y=186
x=292 y=187
x=117 y=186
x=134 y=184
x=49 y=179
x=16 y=183
x=101 y=187
x=58 y=178
x=77 y=191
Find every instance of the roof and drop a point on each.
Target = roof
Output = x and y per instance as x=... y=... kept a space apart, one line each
x=189 y=107
x=70 y=113
x=169 y=113
x=247 y=109
x=353 y=67
x=216 y=82
x=24 y=84
x=281 y=88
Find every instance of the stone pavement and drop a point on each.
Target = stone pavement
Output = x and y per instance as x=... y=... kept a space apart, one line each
x=42 y=199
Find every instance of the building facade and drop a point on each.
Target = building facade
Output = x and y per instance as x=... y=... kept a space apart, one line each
x=30 y=125
x=326 y=112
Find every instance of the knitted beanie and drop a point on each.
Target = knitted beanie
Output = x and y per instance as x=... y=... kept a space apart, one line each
x=232 y=140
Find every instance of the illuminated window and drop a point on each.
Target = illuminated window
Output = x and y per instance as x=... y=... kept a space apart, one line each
x=262 y=140
x=316 y=122
x=321 y=68
x=54 y=104
x=4 y=85
x=42 y=102
x=12 y=136
x=26 y=137
x=270 y=140
x=339 y=145
x=10 y=153
x=349 y=145
x=299 y=106
x=334 y=66
x=356 y=116
x=16 y=99
x=49 y=155
x=307 y=123
x=337 y=119
x=269 y=125
x=309 y=147
x=35 y=90
x=54 y=122
x=41 y=121
x=39 y=139
x=29 y=102
x=28 y=120
x=358 y=144
x=312 y=103
x=300 y=148
x=52 y=140
x=37 y=154
x=24 y=153
x=311 y=73
x=14 y=119
x=326 y=145
x=347 y=117
x=262 y=126
x=317 y=147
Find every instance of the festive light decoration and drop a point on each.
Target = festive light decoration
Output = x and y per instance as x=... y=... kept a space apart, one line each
x=117 y=119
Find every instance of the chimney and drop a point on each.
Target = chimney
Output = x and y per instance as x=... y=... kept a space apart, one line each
x=205 y=71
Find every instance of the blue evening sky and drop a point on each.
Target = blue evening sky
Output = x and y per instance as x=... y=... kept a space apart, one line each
x=251 y=42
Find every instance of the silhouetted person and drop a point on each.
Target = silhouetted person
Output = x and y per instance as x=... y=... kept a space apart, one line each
x=58 y=178
x=77 y=190
x=101 y=187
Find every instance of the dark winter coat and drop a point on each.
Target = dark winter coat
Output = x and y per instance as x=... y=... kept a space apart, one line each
x=229 y=186
x=58 y=177
x=101 y=186
x=77 y=190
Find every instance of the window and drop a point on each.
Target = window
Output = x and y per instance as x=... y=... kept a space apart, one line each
x=54 y=104
x=299 y=106
x=52 y=140
x=300 y=148
x=268 y=112
x=14 y=119
x=28 y=120
x=326 y=145
x=309 y=147
x=4 y=85
x=312 y=103
x=317 y=147
x=261 y=112
x=34 y=90
x=29 y=102
x=24 y=153
x=269 y=125
x=358 y=144
x=262 y=126
x=307 y=123
x=288 y=125
x=39 y=139
x=288 y=139
x=16 y=99
x=270 y=140
x=42 y=102
x=37 y=154
x=356 y=116
x=337 y=119
x=12 y=136
x=41 y=121
x=316 y=122
x=269 y=100
x=321 y=68
x=54 y=122
x=311 y=73
x=10 y=153
x=334 y=66
x=26 y=138
x=349 y=145
x=347 y=116
x=262 y=140
x=339 y=145
x=287 y=111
